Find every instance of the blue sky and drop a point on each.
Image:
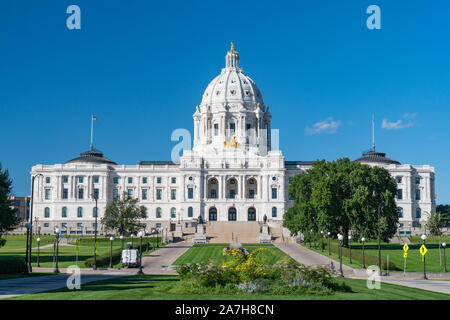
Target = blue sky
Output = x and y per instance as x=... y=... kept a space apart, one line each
x=141 y=67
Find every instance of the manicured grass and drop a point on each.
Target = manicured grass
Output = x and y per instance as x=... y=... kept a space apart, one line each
x=214 y=253
x=430 y=239
x=413 y=262
x=157 y=287
x=67 y=254
x=18 y=241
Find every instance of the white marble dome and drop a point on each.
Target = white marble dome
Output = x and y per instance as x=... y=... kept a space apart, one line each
x=232 y=85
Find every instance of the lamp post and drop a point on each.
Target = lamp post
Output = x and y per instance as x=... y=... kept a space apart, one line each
x=140 y=234
x=445 y=260
x=157 y=237
x=350 y=249
x=111 y=239
x=28 y=265
x=364 y=260
x=95 y=196
x=340 y=238
x=37 y=262
x=380 y=206
x=30 y=235
x=167 y=238
x=339 y=248
x=132 y=244
x=424 y=237
x=121 y=242
x=329 y=239
x=321 y=238
x=57 y=231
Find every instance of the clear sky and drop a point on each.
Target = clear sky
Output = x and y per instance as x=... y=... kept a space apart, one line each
x=141 y=67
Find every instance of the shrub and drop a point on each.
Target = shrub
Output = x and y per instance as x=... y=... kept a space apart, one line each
x=13 y=264
x=103 y=259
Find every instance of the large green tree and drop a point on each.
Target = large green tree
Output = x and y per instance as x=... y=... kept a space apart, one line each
x=436 y=221
x=124 y=215
x=8 y=217
x=343 y=196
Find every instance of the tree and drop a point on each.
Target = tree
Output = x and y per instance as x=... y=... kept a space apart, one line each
x=123 y=215
x=445 y=210
x=8 y=217
x=343 y=196
x=436 y=221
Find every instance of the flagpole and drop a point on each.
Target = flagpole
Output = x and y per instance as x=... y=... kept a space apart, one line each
x=92 y=131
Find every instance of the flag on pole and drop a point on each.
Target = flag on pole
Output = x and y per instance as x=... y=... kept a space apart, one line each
x=94 y=118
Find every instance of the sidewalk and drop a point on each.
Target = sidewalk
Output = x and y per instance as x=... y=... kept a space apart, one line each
x=159 y=261
x=15 y=287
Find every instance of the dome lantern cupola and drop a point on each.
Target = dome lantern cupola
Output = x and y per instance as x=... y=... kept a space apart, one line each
x=232 y=58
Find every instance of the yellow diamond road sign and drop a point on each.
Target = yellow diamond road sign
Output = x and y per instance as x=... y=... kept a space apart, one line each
x=423 y=251
x=405 y=247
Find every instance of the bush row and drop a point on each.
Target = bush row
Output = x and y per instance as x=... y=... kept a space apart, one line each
x=12 y=265
x=103 y=259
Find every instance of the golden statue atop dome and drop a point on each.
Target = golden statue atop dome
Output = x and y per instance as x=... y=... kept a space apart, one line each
x=232 y=47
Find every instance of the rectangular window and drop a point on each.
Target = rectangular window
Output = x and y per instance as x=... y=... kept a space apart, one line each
x=96 y=193
x=80 y=179
x=46 y=225
x=65 y=194
x=232 y=193
x=190 y=212
x=214 y=193
x=190 y=193
x=144 y=180
x=64 y=225
x=274 y=193
x=232 y=128
x=116 y=180
x=115 y=193
x=130 y=193
x=65 y=179
x=173 y=194
x=47 y=179
x=158 y=194
x=158 y=180
x=417 y=194
x=174 y=180
x=399 y=194
x=130 y=180
x=418 y=180
x=47 y=194
x=251 y=194
x=80 y=224
x=96 y=179
x=158 y=225
x=144 y=194
x=216 y=129
x=80 y=193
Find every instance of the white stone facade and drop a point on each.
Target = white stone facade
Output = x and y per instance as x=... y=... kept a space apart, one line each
x=231 y=173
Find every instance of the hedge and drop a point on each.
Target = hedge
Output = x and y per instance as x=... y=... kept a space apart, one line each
x=103 y=259
x=369 y=259
x=12 y=264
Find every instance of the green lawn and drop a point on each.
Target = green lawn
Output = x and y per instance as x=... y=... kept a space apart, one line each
x=395 y=252
x=67 y=253
x=157 y=287
x=430 y=239
x=213 y=252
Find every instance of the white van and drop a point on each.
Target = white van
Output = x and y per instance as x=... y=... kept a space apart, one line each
x=130 y=258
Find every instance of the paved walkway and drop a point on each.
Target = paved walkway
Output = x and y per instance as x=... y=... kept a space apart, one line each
x=15 y=287
x=159 y=261
x=312 y=259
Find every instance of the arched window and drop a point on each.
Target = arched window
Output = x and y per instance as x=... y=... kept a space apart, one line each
x=213 y=187
x=400 y=212
x=94 y=212
x=274 y=212
x=64 y=212
x=190 y=212
x=47 y=212
x=212 y=214
x=158 y=212
x=232 y=215
x=80 y=212
x=173 y=213
x=251 y=214
x=418 y=213
x=232 y=188
x=251 y=188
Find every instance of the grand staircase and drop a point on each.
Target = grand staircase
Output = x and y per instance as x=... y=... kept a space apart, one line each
x=236 y=231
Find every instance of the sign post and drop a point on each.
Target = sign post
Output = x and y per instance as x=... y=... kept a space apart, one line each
x=405 y=255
